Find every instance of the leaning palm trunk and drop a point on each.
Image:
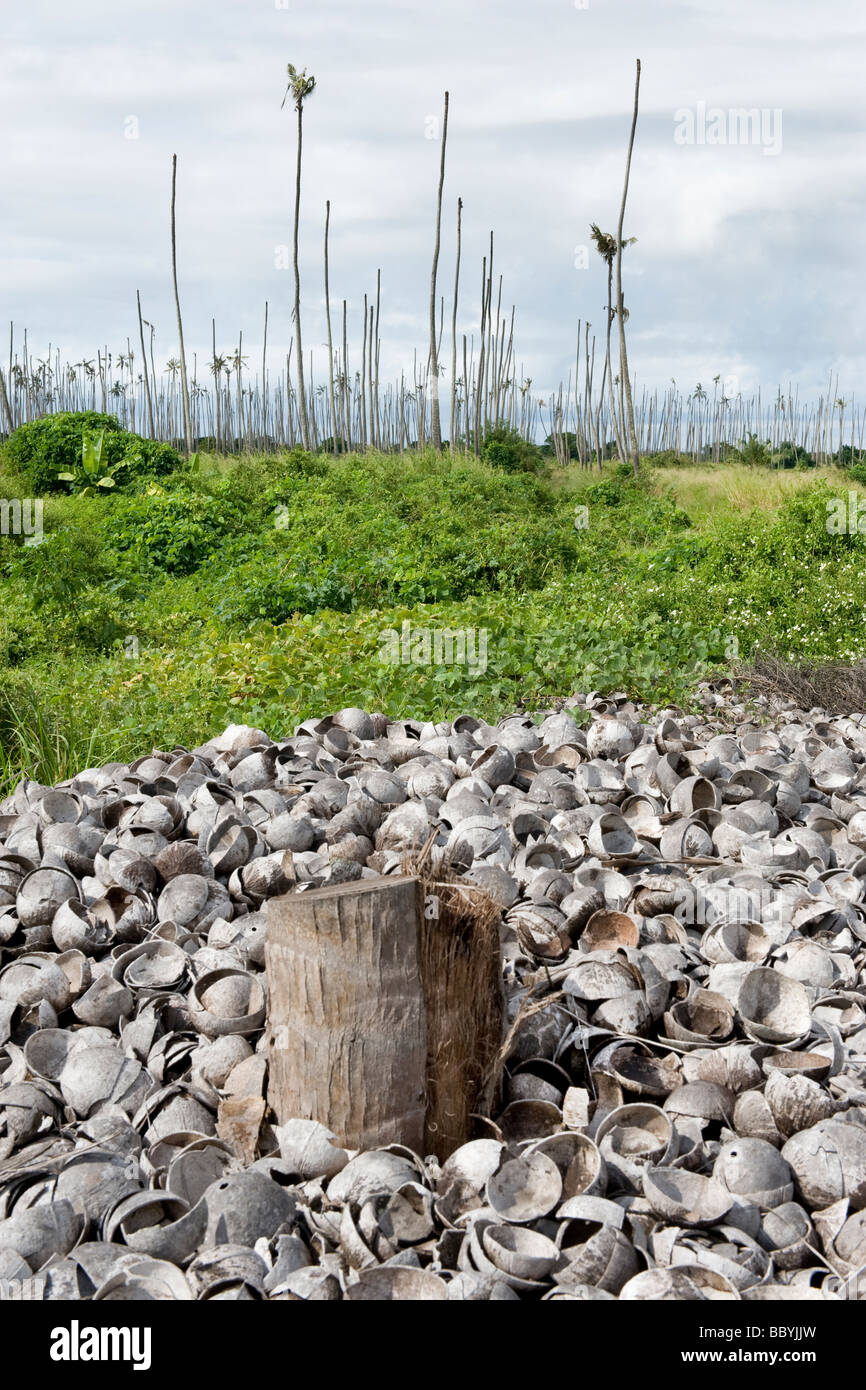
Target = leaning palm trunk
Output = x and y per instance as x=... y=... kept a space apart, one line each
x=187 y=428
x=435 y=426
x=476 y=433
x=626 y=382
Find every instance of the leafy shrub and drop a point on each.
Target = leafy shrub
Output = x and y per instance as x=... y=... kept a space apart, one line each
x=274 y=594
x=669 y=458
x=608 y=493
x=569 y=442
x=67 y=595
x=43 y=449
x=505 y=448
x=175 y=533
x=790 y=455
x=620 y=487
x=753 y=452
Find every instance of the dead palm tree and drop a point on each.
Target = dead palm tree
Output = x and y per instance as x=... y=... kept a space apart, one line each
x=238 y=362
x=216 y=367
x=331 y=396
x=453 y=429
x=605 y=244
x=150 y=421
x=300 y=86
x=4 y=402
x=184 y=388
x=624 y=372
x=840 y=406
x=435 y=426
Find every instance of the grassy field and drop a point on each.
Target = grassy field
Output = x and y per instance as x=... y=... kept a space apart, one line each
x=265 y=590
x=724 y=488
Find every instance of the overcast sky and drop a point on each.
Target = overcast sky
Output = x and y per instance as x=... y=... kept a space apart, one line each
x=750 y=257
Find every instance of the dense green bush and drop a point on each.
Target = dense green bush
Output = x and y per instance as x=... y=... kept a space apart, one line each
x=175 y=533
x=627 y=506
x=754 y=452
x=569 y=445
x=65 y=595
x=42 y=449
x=505 y=448
x=669 y=458
x=790 y=455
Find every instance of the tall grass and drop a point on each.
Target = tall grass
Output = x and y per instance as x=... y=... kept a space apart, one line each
x=43 y=742
x=736 y=487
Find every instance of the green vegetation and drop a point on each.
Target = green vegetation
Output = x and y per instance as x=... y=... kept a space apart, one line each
x=505 y=447
x=65 y=447
x=258 y=589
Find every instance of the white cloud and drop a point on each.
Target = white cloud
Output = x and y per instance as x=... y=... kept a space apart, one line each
x=741 y=259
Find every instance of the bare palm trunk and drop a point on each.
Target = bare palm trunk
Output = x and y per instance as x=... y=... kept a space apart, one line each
x=264 y=410
x=345 y=390
x=331 y=396
x=216 y=370
x=434 y=355
x=487 y=350
x=363 y=403
x=465 y=400
x=371 y=354
x=4 y=401
x=187 y=428
x=144 y=363
x=626 y=382
x=290 y=418
x=302 y=394
x=239 y=395
x=496 y=356
x=608 y=367
x=476 y=433
x=377 y=440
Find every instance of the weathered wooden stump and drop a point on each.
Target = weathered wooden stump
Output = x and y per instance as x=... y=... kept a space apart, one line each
x=384 y=1019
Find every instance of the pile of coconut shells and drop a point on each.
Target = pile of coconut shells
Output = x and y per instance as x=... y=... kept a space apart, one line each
x=682 y=1109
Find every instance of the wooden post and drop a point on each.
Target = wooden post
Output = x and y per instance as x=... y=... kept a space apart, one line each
x=347 y=1023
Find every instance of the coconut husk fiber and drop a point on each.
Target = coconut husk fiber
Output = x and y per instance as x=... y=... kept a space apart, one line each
x=461 y=975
